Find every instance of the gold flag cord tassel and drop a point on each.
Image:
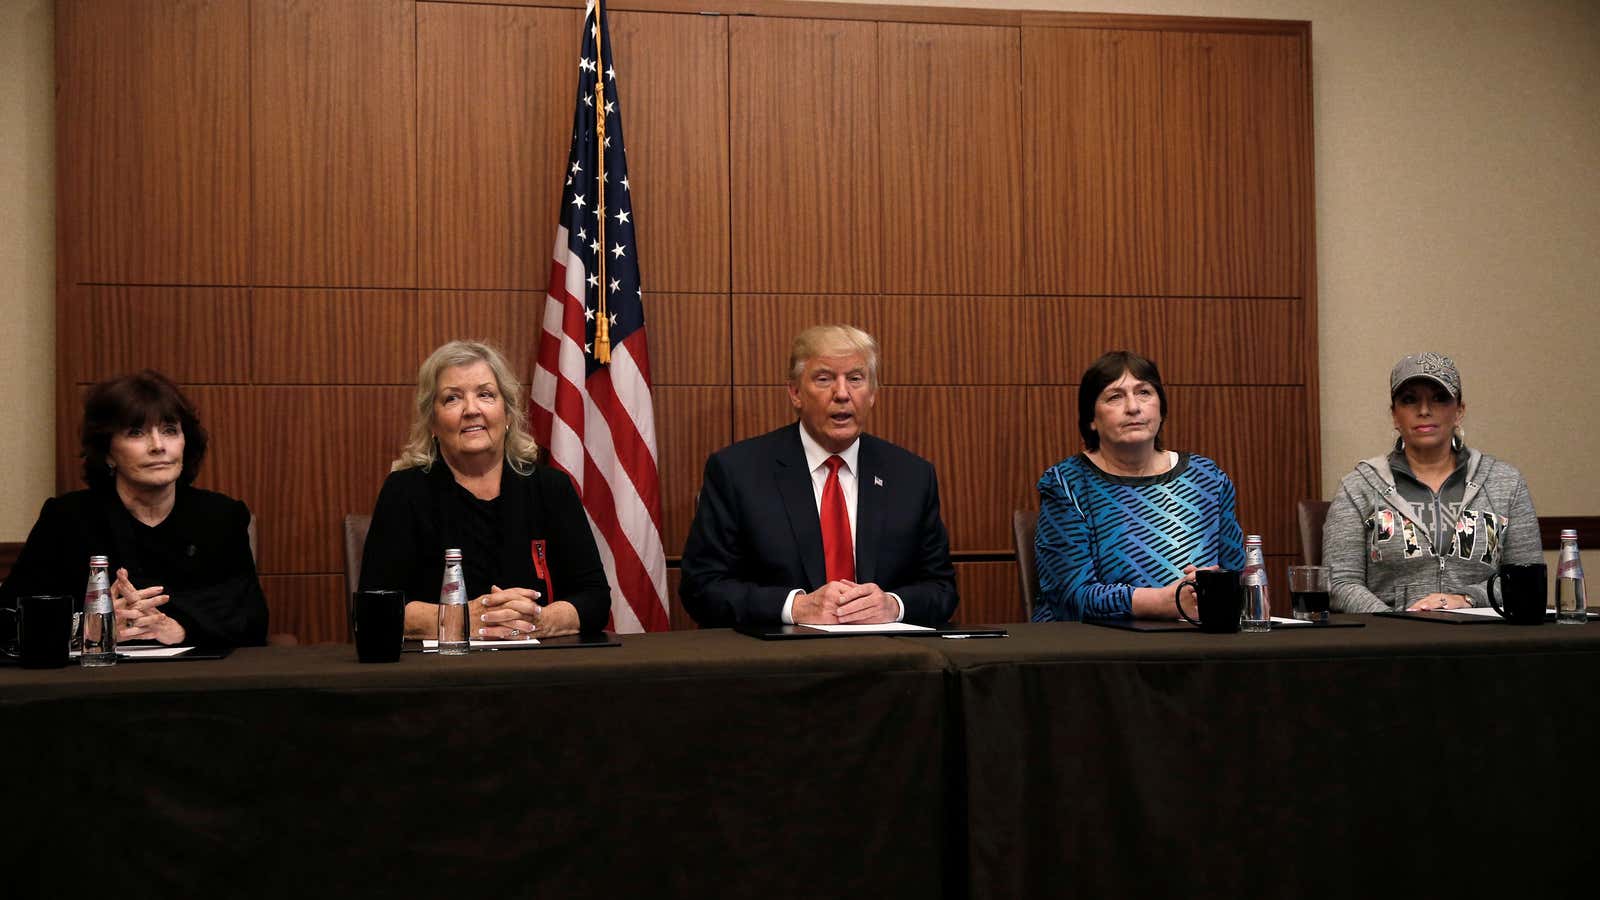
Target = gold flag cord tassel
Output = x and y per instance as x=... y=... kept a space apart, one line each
x=602 y=325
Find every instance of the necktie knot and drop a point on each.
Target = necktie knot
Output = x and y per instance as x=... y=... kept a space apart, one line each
x=833 y=463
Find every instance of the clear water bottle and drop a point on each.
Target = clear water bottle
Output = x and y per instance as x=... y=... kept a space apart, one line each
x=1572 y=608
x=1257 y=598
x=99 y=620
x=453 y=607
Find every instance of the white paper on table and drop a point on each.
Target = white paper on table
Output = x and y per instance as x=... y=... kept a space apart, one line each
x=523 y=644
x=883 y=628
x=1475 y=611
x=1280 y=620
x=151 y=652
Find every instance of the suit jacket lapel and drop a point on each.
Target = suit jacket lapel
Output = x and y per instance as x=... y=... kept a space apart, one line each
x=871 y=506
x=793 y=479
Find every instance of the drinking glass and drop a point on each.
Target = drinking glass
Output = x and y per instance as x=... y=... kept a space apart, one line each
x=1308 y=587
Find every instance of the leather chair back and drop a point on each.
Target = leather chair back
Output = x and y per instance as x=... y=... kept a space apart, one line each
x=355 y=541
x=1023 y=524
x=1311 y=514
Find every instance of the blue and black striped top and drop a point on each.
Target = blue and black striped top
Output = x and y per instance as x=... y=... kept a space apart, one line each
x=1100 y=535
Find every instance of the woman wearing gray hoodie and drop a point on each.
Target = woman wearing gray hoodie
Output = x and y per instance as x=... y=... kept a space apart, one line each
x=1424 y=526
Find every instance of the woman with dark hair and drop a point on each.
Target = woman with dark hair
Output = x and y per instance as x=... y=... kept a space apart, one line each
x=1423 y=526
x=1122 y=524
x=184 y=572
x=467 y=479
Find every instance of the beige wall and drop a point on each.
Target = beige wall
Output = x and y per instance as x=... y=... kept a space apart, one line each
x=27 y=261
x=1458 y=209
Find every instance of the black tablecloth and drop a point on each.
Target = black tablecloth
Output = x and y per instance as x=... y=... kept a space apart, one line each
x=1065 y=760
x=675 y=765
x=1402 y=758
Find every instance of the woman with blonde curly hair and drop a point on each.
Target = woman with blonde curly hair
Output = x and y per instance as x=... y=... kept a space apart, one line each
x=466 y=478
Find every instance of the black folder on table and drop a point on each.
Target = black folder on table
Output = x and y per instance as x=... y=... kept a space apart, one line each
x=806 y=632
x=1130 y=624
x=1445 y=618
x=194 y=653
x=565 y=642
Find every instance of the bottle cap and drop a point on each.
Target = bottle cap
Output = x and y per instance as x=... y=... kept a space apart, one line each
x=452 y=555
x=1252 y=539
x=1569 y=534
x=99 y=561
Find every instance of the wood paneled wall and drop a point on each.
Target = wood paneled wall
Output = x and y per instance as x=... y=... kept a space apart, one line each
x=286 y=204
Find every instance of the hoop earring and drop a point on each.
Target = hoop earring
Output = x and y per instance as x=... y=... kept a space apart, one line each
x=1458 y=440
x=1399 y=441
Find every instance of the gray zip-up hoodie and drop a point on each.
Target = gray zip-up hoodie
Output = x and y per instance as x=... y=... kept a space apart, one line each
x=1381 y=554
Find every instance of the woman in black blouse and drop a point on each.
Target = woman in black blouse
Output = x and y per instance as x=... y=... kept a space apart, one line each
x=466 y=479
x=183 y=572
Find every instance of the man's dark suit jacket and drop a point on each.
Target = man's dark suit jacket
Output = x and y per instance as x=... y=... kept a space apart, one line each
x=757 y=536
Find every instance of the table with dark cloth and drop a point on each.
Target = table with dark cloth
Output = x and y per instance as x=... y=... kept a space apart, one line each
x=1064 y=760
x=1399 y=759
x=681 y=764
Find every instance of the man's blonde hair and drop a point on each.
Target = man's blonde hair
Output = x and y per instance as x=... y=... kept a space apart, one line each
x=832 y=340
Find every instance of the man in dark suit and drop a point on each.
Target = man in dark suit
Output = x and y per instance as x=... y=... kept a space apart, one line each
x=818 y=522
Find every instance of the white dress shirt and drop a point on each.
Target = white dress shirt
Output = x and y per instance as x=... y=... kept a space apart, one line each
x=817 y=459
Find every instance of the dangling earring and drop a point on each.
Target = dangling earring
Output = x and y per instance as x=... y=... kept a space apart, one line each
x=1458 y=440
x=1399 y=441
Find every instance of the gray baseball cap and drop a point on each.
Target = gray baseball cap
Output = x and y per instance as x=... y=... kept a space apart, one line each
x=1435 y=367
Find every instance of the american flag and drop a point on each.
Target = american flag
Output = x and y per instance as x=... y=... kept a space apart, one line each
x=596 y=418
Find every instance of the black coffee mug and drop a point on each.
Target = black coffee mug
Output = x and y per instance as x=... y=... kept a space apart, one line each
x=44 y=630
x=1221 y=600
x=380 y=625
x=1521 y=590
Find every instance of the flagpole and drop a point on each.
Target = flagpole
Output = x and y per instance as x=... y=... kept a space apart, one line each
x=602 y=327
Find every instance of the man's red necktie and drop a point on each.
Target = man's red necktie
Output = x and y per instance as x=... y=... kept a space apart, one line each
x=837 y=549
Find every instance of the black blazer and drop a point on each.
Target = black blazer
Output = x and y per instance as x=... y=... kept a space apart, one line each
x=412 y=524
x=200 y=554
x=757 y=536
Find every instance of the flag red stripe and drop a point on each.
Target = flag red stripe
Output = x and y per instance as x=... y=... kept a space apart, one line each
x=632 y=578
x=631 y=450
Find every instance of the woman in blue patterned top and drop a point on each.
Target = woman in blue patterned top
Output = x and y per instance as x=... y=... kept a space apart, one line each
x=1124 y=523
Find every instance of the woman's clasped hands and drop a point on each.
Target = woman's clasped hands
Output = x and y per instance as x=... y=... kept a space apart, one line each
x=139 y=615
x=507 y=614
x=514 y=614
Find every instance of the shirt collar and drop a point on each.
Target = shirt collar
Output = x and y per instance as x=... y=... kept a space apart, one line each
x=816 y=456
